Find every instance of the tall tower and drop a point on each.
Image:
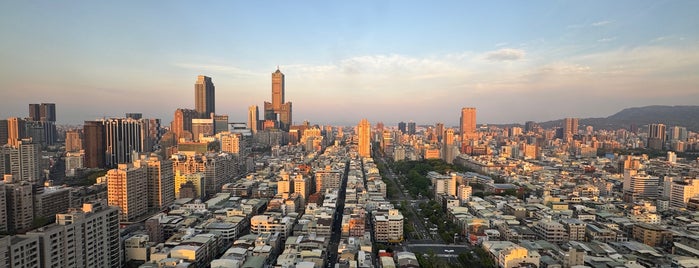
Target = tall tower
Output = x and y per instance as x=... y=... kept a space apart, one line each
x=47 y=112
x=277 y=90
x=253 y=118
x=123 y=137
x=278 y=109
x=364 y=133
x=468 y=122
x=34 y=112
x=204 y=96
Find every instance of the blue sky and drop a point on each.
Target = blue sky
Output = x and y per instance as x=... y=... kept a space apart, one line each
x=387 y=61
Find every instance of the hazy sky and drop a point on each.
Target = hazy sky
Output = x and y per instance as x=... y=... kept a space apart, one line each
x=387 y=61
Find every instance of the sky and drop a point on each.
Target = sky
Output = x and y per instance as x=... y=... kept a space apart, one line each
x=387 y=61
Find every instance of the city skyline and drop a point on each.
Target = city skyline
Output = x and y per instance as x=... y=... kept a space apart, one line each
x=379 y=59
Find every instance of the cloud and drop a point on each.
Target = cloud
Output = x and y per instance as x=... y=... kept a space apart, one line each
x=601 y=23
x=505 y=54
x=606 y=39
x=217 y=68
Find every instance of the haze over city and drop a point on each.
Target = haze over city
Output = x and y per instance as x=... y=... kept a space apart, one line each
x=388 y=61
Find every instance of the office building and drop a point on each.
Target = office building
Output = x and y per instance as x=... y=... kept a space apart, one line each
x=220 y=123
x=34 y=112
x=161 y=181
x=656 y=136
x=570 y=128
x=402 y=127
x=467 y=126
x=124 y=137
x=412 y=128
x=16 y=130
x=253 y=118
x=640 y=186
x=202 y=128
x=127 y=189
x=182 y=123
x=204 y=97
x=47 y=112
x=74 y=140
x=95 y=145
x=279 y=110
x=3 y=132
x=364 y=134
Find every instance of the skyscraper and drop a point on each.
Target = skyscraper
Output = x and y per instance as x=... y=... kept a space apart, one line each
x=439 y=130
x=278 y=109
x=204 y=96
x=364 y=133
x=277 y=90
x=24 y=161
x=47 y=112
x=412 y=129
x=123 y=137
x=94 y=144
x=34 y=112
x=16 y=130
x=656 y=136
x=182 y=123
x=402 y=127
x=467 y=126
x=570 y=128
x=3 y=132
x=253 y=118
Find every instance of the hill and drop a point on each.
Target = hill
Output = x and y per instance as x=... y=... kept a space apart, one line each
x=687 y=116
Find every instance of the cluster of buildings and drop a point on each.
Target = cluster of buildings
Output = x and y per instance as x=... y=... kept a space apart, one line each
x=552 y=198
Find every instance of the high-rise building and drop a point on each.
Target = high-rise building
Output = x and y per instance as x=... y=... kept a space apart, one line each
x=640 y=186
x=364 y=133
x=34 y=112
x=127 y=189
x=204 y=97
x=74 y=140
x=182 y=123
x=402 y=127
x=656 y=136
x=412 y=129
x=682 y=191
x=95 y=145
x=388 y=226
x=161 y=181
x=47 y=112
x=81 y=238
x=278 y=109
x=448 y=148
x=570 y=128
x=19 y=196
x=23 y=160
x=253 y=118
x=439 y=130
x=16 y=130
x=3 y=132
x=220 y=123
x=277 y=90
x=467 y=126
x=202 y=128
x=124 y=137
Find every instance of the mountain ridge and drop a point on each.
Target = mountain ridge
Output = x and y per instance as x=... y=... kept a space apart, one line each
x=678 y=115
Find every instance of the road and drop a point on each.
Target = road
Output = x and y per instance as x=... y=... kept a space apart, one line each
x=421 y=232
x=337 y=220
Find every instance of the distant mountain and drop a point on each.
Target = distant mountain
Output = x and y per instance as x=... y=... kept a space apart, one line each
x=686 y=116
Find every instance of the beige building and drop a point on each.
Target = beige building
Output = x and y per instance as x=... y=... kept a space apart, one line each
x=682 y=191
x=87 y=237
x=364 y=135
x=161 y=180
x=127 y=189
x=551 y=231
x=467 y=125
x=197 y=179
x=388 y=226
